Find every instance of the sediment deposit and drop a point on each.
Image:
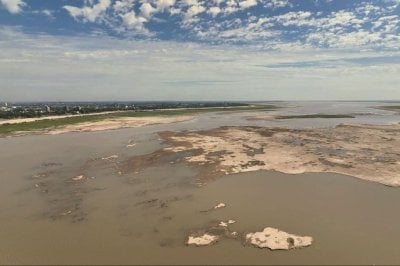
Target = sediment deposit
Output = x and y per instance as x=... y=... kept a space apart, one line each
x=275 y=239
x=367 y=152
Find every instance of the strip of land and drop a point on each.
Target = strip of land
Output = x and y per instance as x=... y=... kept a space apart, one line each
x=394 y=108
x=314 y=116
x=33 y=119
x=111 y=120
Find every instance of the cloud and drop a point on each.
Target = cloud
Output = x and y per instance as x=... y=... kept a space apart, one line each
x=147 y=9
x=214 y=10
x=194 y=9
x=46 y=12
x=13 y=6
x=163 y=4
x=276 y=3
x=89 y=13
x=272 y=24
x=132 y=21
x=85 y=68
x=248 y=3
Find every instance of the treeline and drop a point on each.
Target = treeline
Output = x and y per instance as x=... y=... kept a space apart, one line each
x=48 y=110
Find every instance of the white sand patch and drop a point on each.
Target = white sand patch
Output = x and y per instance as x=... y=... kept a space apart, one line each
x=276 y=239
x=219 y=206
x=225 y=224
x=202 y=240
x=52 y=117
x=112 y=157
x=336 y=160
x=116 y=123
x=79 y=177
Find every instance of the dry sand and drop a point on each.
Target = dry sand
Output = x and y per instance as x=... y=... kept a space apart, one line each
x=25 y=120
x=108 y=124
x=202 y=240
x=367 y=152
x=275 y=239
x=123 y=122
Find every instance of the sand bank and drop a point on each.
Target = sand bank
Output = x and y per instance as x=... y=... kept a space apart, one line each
x=368 y=152
x=108 y=124
x=26 y=120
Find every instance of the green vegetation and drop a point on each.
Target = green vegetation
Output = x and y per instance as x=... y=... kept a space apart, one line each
x=314 y=116
x=59 y=122
x=390 y=107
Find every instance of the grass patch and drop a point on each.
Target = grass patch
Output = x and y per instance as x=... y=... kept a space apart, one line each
x=390 y=107
x=314 y=116
x=6 y=129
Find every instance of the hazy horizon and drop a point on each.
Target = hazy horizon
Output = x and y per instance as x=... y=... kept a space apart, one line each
x=199 y=50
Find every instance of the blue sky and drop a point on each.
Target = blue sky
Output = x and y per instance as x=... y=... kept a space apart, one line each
x=199 y=50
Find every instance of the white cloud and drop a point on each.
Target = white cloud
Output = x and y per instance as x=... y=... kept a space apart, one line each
x=214 y=10
x=132 y=21
x=84 y=68
x=90 y=12
x=194 y=10
x=46 y=12
x=275 y=3
x=123 y=6
x=365 y=24
x=342 y=18
x=248 y=3
x=13 y=6
x=163 y=4
x=147 y=9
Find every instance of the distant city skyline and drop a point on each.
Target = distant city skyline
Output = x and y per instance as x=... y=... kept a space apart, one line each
x=223 y=50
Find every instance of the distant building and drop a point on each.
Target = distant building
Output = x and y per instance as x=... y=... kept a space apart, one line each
x=5 y=107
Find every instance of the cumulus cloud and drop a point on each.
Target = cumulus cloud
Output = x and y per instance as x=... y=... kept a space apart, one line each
x=275 y=3
x=89 y=13
x=248 y=3
x=147 y=9
x=214 y=10
x=194 y=9
x=13 y=6
x=273 y=24
x=131 y=20
x=46 y=62
x=163 y=4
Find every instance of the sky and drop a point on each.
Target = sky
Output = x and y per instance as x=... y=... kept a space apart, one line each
x=95 y=50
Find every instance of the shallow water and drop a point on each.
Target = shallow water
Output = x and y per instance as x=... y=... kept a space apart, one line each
x=144 y=218
x=363 y=112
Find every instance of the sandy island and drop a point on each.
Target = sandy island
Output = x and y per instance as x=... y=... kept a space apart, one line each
x=109 y=124
x=116 y=123
x=368 y=152
x=33 y=119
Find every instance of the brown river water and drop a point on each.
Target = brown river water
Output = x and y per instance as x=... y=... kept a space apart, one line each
x=145 y=218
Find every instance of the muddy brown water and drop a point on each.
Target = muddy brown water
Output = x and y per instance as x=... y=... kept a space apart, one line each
x=144 y=218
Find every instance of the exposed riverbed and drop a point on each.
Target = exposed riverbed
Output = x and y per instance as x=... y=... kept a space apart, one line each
x=63 y=200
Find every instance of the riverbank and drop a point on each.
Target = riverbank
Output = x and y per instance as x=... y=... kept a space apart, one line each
x=63 y=124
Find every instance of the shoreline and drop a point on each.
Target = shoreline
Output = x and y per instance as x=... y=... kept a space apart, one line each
x=51 y=117
x=103 y=125
x=54 y=117
x=42 y=125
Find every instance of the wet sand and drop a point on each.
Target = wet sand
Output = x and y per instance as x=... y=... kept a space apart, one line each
x=145 y=217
